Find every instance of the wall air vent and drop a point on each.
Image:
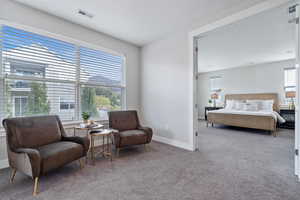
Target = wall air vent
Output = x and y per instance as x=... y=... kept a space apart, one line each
x=84 y=13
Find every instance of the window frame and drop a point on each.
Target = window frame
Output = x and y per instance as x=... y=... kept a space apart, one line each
x=14 y=103
x=78 y=44
x=69 y=105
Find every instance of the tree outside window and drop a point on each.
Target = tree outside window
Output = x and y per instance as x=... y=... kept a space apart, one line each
x=98 y=101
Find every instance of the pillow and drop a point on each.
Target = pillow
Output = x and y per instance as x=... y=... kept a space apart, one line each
x=253 y=106
x=229 y=104
x=263 y=105
x=238 y=105
x=267 y=105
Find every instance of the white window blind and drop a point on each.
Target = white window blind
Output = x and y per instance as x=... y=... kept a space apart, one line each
x=46 y=57
x=41 y=75
x=100 y=67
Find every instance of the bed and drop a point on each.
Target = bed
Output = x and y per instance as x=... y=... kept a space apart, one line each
x=264 y=120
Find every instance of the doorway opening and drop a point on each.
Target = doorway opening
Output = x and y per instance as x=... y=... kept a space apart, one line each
x=246 y=88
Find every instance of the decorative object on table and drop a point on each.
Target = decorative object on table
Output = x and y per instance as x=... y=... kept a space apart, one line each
x=130 y=132
x=214 y=97
x=210 y=102
x=291 y=95
x=87 y=127
x=85 y=116
x=289 y=116
x=39 y=145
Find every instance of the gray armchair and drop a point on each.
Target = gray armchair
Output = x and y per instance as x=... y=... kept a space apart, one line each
x=37 y=145
x=130 y=132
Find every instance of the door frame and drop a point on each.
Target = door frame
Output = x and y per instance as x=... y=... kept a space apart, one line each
x=297 y=113
x=193 y=58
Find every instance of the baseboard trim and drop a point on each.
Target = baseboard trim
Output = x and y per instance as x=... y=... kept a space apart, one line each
x=174 y=143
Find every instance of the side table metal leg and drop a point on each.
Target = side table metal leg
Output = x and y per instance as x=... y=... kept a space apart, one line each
x=107 y=143
x=117 y=151
x=92 y=150
x=103 y=146
x=89 y=153
x=109 y=147
x=110 y=150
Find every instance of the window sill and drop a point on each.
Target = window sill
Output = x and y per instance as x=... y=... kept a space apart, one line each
x=67 y=125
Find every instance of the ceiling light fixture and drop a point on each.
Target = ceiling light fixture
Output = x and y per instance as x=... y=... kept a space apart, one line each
x=84 y=13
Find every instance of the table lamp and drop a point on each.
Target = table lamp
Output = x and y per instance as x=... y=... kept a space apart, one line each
x=291 y=95
x=214 y=96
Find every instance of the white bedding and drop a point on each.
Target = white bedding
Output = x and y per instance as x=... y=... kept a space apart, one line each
x=273 y=114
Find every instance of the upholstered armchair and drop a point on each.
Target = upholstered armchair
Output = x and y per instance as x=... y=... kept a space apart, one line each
x=37 y=145
x=129 y=131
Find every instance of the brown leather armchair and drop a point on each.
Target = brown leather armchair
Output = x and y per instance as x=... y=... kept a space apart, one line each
x=130 y=132
x=37 y=145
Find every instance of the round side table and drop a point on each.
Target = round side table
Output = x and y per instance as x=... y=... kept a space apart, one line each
x=106 y=147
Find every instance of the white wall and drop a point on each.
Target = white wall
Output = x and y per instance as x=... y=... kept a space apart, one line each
x=167 y=81
x=166 y=91
x=262 y=78
x=20 y=14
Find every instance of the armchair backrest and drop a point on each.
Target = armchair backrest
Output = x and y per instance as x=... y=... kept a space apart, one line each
x=123 y=120
x=32 y=132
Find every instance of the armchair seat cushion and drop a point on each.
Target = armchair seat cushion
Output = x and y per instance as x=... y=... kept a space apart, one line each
x=57 y=154
x=133 y=137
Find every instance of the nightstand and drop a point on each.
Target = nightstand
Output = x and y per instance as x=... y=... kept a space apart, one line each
x=289 y=116
x=208 y=108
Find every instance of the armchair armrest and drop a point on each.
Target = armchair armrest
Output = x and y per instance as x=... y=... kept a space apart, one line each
x=34 y=158
x=148 y=131
x=84 y=141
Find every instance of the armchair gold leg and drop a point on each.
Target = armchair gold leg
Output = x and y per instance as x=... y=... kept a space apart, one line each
x=87 y=158
x=81 y=163
x=36 y=186
x=13 y=174
x=146 y=147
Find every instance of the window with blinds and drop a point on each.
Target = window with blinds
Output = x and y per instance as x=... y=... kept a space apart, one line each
x=41 y=75
x=98 y=67
x=290 y=79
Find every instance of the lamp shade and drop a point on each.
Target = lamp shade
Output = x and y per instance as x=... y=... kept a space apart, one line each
x=290 y=94
x=214 y=96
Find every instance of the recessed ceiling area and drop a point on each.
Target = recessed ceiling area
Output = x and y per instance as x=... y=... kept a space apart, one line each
x=139 y=21
x=264 y=38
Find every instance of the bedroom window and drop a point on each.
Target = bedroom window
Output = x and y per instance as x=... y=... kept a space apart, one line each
x=289 y=79
x=215 y=83
x=41 y=75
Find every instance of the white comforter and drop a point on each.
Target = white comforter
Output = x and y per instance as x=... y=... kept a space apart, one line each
x=273 y=114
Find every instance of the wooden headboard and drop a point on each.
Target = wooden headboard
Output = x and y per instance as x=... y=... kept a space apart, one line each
x=255 y=96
